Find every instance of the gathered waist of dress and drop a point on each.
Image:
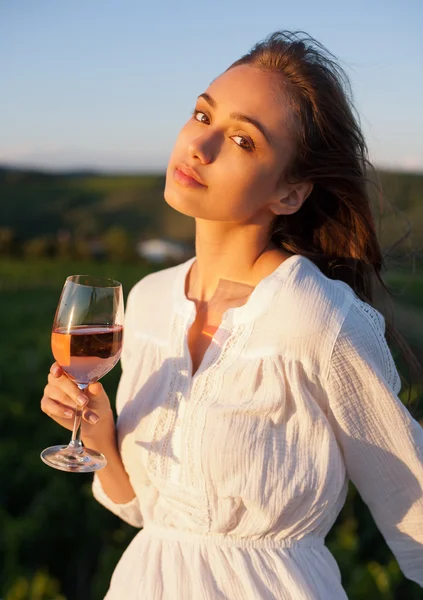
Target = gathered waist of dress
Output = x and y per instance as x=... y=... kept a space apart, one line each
x=162 y=532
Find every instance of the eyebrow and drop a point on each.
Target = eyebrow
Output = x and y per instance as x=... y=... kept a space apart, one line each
x=239 y=117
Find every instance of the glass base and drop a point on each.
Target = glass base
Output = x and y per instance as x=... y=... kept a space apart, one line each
x=66 y=458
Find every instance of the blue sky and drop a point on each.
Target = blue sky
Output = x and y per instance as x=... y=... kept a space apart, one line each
x=108 y=83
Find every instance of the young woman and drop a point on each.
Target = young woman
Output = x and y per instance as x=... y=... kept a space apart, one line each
x=256 y=376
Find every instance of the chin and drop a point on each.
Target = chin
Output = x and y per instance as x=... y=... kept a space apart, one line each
x=176 y=200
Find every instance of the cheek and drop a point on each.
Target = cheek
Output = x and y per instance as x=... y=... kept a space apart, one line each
x=239 y=184
x=251 y=184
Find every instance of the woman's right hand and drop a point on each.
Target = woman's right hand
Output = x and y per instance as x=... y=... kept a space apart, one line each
x=61 y=398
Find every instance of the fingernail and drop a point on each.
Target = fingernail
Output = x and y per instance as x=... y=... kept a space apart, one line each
x=93 y=419
x=81 y=399
x=68 y=413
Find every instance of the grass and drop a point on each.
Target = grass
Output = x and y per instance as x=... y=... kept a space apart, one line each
x=17 y=275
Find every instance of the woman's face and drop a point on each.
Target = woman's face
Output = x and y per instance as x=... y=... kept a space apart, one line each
x=236 y=145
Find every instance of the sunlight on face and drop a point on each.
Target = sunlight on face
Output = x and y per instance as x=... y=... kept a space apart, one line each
x=229 y=156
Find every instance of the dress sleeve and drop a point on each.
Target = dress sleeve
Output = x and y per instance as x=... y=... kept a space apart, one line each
x=381 y=442
x=129 y=512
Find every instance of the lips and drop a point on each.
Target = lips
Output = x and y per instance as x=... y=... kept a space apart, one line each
x=191 y=173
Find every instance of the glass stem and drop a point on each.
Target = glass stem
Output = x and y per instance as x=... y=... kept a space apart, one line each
x=75 y=442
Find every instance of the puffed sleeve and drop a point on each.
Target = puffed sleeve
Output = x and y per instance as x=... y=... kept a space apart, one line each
x=381 y=442
x=129 y=512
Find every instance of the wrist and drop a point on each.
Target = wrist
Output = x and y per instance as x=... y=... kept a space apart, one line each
x=104 y=442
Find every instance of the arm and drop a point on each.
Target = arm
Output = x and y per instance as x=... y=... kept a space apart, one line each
x=112 y=488
x=381 y=443
x=111 y=485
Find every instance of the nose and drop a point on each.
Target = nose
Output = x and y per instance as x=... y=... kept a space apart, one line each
x=201 y=148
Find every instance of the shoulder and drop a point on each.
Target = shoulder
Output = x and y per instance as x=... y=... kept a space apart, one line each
x=311 y=302
x=363 y=329
x=365 y=318
x=156 y=288
x=362 y=340
x=309 y=310
x=149 y=305
x=314 y=311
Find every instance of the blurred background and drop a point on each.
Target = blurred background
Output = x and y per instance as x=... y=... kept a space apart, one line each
x=93 y=96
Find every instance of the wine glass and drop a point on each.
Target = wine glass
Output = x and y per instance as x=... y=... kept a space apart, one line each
x=86 y=342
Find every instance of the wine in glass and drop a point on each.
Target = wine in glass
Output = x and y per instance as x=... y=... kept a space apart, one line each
x=86 y=342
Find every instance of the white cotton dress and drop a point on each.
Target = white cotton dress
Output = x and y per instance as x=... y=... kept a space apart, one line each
x=241 y=470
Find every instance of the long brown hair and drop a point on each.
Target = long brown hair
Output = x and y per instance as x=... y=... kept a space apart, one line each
x=335 y=226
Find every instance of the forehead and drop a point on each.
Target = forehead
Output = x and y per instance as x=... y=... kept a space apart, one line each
x=255 y=93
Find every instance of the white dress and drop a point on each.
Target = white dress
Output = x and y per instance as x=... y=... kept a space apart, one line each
x=240 y=471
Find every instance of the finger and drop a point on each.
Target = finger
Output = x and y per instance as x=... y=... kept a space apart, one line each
x=96 y=389
x=57 y=393
x=67 y=387
x=56 y=370
x=56 y=409
x=97 y=396
x=57 y=376
x=95 y=393
x=90 y=416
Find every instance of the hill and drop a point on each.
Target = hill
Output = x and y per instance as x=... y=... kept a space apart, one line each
x=35 y=203
x=38 y=203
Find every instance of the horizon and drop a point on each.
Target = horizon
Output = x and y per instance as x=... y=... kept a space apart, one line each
x=109 y=172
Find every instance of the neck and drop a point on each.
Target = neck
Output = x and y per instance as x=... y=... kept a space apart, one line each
x=230 y=252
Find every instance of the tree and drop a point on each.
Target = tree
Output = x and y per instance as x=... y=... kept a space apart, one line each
x=118 y=244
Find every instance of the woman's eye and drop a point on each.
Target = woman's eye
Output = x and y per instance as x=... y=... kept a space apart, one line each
x=200 y=116
x=243 y=142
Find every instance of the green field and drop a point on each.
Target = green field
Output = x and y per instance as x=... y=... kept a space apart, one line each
x=56 y=542
x=54 y=537
x=37 y=204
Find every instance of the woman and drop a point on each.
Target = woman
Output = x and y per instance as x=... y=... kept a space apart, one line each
x=256 y=376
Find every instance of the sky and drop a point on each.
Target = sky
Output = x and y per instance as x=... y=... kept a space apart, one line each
x=107 y=84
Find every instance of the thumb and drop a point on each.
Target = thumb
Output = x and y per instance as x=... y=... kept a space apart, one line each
x=96 y=390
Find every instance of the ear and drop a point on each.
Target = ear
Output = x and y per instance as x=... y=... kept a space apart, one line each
x=293 y=198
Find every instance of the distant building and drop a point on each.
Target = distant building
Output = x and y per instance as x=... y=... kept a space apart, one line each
x=160 y=251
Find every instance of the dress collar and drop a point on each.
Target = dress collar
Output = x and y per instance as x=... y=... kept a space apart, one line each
x=259 y=299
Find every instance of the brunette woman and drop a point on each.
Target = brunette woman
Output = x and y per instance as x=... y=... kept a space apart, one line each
x=257 y=379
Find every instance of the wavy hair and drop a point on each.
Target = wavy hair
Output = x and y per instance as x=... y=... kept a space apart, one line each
x=335 y=227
